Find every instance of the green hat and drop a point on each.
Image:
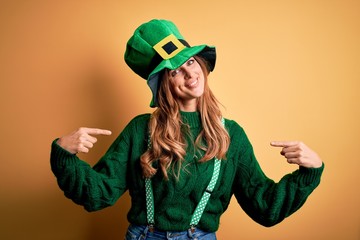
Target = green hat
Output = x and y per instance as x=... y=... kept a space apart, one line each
x=157 y=45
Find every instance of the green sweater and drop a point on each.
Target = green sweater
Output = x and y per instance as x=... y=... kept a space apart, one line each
x=265 y=201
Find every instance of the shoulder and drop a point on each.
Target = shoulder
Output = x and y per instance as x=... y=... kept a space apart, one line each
x=138 y=123
x=135 y=130
x=238 y=136
x=142 y=118
x=233 y=127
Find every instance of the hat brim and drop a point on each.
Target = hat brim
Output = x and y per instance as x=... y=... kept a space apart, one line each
x=205 y=51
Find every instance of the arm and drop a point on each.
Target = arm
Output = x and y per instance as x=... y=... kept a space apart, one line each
x=97 y=187
x=265 y=201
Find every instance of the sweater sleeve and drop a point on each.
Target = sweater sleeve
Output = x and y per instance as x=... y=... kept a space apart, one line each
x=264 y=200
x=92 y=187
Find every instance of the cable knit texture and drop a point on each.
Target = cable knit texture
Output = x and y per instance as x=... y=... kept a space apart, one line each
x=265 y=201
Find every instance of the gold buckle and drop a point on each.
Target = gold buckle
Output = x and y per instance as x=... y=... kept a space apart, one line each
x=171 y=39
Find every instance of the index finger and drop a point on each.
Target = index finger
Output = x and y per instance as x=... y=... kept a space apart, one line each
x=283 y=143
x=97 y=131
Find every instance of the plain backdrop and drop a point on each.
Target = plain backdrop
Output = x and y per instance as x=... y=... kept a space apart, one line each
x=286 y=70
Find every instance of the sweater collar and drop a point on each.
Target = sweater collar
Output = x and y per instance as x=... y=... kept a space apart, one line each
x=193 y=119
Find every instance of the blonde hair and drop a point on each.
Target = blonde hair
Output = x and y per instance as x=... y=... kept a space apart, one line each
x=166 y=130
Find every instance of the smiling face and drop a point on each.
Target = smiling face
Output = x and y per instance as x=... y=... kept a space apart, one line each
x=187 y=84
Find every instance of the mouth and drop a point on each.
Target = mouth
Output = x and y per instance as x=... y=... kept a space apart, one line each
x=192 y=84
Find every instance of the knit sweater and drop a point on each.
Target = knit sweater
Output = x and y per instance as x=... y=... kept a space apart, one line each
x=264 y=200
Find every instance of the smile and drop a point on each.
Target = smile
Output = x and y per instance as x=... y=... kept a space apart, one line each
x=192 y=84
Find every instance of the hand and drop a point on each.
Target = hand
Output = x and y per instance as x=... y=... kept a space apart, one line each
x=298 y=153
x=80 y=141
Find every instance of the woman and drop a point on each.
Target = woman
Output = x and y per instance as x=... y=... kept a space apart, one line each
x=182 y=163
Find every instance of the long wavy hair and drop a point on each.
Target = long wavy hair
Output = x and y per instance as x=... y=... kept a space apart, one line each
x=167 y=131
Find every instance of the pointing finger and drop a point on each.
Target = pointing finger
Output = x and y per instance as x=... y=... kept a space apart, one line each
x=97 y=131
x=283 y=143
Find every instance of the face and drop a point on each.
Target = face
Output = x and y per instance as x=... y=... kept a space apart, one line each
x=187 y=83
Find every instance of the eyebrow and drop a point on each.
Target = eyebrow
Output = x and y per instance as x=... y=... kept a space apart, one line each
x=168 y=71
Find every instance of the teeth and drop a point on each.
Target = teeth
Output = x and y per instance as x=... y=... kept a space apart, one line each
x=192 y=84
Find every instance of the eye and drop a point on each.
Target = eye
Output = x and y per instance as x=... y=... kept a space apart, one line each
x=174 y=72
x=190 y=61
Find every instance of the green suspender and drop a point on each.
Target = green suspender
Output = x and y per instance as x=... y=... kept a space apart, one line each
x=149 y=198
x=201 y=205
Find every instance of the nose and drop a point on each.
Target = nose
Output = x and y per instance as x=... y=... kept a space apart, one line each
x=188 y=73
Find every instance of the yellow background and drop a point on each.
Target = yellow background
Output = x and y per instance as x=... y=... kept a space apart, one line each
x=286 y=70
